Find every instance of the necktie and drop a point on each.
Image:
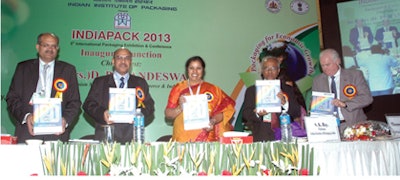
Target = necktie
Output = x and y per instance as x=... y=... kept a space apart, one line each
x=121 y=84
x=44 y=73
x=274 y=121
x=333 y=90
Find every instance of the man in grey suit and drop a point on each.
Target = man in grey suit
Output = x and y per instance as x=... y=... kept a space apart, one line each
x=353 y=93
x=36 y=78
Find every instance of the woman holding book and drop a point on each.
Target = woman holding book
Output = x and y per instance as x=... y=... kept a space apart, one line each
x=265 y=125
x=220 y=106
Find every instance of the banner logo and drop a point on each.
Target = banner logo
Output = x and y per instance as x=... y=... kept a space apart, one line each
x=273 y=6
x=122 y=21
x=299 y=7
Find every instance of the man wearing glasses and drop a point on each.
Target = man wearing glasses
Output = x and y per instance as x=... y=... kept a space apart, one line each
x=43 y=77
x=96 y=104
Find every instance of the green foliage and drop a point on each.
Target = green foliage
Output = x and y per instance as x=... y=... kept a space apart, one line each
x=174 y=159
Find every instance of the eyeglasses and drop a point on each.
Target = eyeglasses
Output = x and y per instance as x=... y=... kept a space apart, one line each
x=54 y=46
x=126 y=58
x=272 y=69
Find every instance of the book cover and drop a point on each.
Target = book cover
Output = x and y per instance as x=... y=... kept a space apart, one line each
x=47 y=116
x=321 y=103
x=266 y=95
x=195 y=112
x=122 y=104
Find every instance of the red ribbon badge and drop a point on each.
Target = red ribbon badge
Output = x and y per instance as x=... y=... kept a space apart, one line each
x=350 y=91
x=210 y=96
x=140 y=97
x=61 y=86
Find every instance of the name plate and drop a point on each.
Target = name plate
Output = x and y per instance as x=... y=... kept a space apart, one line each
x=322 y=128
x=122 y=104
x=393 y=120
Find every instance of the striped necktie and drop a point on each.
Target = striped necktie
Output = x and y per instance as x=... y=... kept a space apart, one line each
x=122 y=83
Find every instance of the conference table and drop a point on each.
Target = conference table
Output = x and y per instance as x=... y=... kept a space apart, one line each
x=356 y=158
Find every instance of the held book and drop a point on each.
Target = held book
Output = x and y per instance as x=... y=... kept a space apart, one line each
x=266 y=95
x=47 y=116
x=122 y=104
x=321 y=103
x=195 y=112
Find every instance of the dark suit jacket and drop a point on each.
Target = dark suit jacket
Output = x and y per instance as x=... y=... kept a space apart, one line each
x=23 y=85
x=354 y=37
x=354 y=112
x=379 y=35
x=262 y=131
x=97 y=102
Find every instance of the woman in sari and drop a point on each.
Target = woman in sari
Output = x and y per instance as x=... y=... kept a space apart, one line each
x=220 y=106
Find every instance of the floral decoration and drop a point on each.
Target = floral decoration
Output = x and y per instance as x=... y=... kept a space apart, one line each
x=365 y=131
x=177 y=159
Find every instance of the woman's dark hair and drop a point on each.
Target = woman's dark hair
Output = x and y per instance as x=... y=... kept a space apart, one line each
x=192 y=59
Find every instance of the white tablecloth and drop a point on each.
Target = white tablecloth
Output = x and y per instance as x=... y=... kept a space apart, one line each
x=20 y=160
x=357 y=158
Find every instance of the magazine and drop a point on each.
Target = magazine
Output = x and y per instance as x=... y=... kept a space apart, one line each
x=47 y=116
x=321 y=103
x=266 y=95
x=122 y=104
x=195 y=112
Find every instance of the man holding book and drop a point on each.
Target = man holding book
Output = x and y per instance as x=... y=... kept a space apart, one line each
x=97 y=102
x=44 y=78
x=263 y=124
x=351 y=90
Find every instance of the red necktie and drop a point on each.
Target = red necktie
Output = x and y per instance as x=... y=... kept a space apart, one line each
x=274 y=121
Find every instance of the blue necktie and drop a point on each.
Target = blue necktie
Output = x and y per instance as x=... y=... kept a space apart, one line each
x=121 y=84
x=333 y=90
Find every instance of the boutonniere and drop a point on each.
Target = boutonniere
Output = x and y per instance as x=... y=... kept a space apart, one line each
x=350 y=91
x=140 y=96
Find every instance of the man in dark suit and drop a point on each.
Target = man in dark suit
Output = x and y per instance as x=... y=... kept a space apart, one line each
x=392 y=32
x=353 y=93
x=29 y=81
x=265 y=125
x=97 y=101
x=361 y=36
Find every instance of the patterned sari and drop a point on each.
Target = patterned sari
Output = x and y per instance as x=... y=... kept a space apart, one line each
x=218 y=101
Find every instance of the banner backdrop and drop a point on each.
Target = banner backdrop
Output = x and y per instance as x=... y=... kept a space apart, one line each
x=163 y=34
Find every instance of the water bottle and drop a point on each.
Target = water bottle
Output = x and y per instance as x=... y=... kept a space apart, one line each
x=138 y=126
x=286 y=129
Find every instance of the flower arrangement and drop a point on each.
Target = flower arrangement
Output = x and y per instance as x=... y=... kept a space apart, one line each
x=366 y=131
x=177 y=159
x=361 y=131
